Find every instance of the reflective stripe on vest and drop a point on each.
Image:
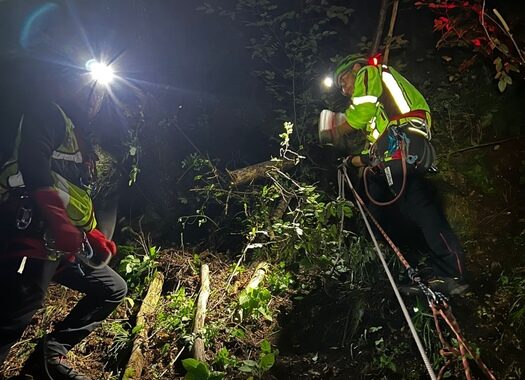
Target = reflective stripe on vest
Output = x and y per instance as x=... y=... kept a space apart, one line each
x=364 y=99
x=395 y=90
x=76 y=158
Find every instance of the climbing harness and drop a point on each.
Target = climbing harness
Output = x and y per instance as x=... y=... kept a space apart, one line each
x=406 y=143
x=85 y=256
x=437 y=301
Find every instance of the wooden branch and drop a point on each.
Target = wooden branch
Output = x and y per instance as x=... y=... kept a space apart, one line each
x=279 y=211
x=380 y=26
x=390 y=31
x=258 y=275
x=137 y=361
x=253 y=172
x=200 y=314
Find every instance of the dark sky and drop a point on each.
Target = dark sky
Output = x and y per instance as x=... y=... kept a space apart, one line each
x=167 y=49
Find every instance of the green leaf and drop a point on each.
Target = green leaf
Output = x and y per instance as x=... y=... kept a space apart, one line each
x=190 y=363
x=266 y=347
x=267 y=361
x=499 y=65
x=502 y=85
x=197 y=370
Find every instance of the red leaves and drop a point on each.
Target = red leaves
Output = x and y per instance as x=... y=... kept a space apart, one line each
x=442 y=23
x=476 y=42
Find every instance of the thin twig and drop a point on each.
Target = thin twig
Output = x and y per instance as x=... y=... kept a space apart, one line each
x=507 y=30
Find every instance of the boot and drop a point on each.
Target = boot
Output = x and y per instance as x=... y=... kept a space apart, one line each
x=47 y=365
x=446 y=285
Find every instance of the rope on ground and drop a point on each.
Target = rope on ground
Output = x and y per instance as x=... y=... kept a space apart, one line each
x=438 y=303
x=417 y=340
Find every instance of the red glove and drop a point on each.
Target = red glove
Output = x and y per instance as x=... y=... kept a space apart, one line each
x=101 y=245
x=67 y=237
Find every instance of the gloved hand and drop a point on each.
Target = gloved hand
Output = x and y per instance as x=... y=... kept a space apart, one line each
x=359 y=160
x=66 y=236
x=100 y=244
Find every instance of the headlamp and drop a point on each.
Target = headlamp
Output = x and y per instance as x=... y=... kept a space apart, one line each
x=328 y=82
x=100 y=72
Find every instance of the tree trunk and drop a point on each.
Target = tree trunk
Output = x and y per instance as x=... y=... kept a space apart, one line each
x=137 y=361
x=380 y=26
x=200 y=314
x=253 y=172
x=390 y=31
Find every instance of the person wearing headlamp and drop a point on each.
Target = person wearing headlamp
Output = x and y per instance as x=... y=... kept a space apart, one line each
x=46 y=216
x=396 y=120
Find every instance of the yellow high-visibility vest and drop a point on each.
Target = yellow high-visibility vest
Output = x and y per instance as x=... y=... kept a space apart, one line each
x=66 y=159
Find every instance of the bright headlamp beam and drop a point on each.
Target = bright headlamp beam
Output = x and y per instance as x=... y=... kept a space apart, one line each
x=328 y=82
x=100 y=72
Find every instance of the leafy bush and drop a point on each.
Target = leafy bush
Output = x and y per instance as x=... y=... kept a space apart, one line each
x=137 y=268
x=177 y=313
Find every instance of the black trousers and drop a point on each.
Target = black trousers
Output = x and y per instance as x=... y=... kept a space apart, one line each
x=419 y=206
x=22 y=294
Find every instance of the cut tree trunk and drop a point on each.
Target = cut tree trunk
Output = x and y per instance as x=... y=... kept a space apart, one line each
x=137 y=361
x=258 y=275
x=253 y=172
x=200 y=314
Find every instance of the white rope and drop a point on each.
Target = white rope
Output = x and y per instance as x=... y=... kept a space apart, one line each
x=419 y=345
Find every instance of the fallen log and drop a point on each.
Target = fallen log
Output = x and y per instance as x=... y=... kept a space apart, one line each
x=253 y=172
x=260 y=271
x=137 y=362
x=258 y=275
x=200 y=314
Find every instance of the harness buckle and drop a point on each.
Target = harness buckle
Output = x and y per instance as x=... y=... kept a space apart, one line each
x=24 y=214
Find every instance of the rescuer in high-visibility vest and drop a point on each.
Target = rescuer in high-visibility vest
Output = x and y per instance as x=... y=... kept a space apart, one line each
x=389 y=109
x=46 y=216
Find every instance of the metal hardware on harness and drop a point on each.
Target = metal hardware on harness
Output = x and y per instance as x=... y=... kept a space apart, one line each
x=85 y=256
x=24 y=214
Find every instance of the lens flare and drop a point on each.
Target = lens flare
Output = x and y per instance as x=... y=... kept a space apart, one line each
x=100 y=72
